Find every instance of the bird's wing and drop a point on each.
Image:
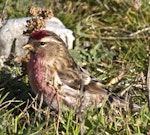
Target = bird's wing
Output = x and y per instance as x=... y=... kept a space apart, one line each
x=91 y=86
x=79 y=79
x=75 y=78
x=70 y=78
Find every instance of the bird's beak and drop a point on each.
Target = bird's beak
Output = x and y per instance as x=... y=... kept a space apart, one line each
x=28 y=47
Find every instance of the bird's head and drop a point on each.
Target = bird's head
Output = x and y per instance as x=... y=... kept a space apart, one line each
x=49 y=49
x=45 y=42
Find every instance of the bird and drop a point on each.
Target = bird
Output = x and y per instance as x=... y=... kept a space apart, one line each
x=57 y=79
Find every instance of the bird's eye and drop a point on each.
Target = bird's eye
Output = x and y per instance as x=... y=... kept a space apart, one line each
x=42 y=43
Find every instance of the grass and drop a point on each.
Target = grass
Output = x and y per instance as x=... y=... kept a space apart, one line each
x=105 y=46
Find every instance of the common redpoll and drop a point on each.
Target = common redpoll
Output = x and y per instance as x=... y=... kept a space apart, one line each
x=54 y=75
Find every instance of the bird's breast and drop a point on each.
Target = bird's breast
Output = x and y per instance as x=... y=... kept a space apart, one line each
x=38 y=74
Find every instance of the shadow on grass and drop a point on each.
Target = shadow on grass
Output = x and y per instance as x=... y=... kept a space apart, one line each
x=17 y=88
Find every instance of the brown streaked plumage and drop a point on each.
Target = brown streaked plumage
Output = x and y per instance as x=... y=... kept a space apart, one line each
x=54 y=75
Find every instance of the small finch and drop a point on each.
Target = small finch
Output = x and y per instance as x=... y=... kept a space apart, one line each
x=54 y=75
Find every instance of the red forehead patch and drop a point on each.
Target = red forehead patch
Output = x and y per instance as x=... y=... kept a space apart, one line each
x=39 y=34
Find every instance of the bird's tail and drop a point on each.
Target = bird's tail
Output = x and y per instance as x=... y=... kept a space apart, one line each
x=114 y=100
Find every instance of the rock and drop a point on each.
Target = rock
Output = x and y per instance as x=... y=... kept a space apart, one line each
x=12 y=38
